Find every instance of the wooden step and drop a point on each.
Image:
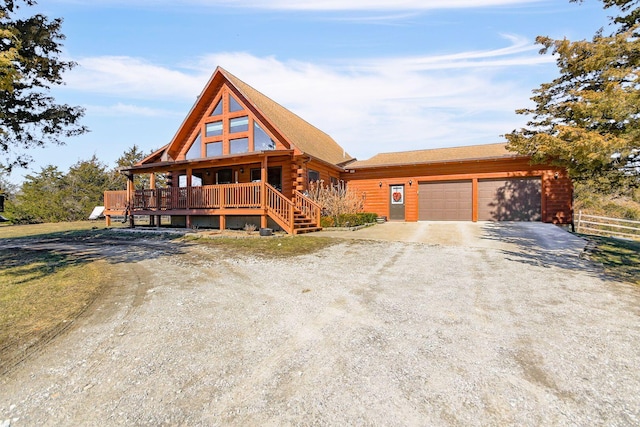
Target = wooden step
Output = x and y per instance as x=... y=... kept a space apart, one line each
x=306 y=230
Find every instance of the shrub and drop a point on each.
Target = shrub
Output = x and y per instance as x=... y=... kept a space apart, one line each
x=348 y=220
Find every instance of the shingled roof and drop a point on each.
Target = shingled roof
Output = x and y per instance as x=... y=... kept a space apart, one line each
x=437 y=155
x=298 y=133
x=306 y=137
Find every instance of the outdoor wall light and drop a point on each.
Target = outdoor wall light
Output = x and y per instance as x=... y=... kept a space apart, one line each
x=380 y=184
x=410 y=182
x=241 y=170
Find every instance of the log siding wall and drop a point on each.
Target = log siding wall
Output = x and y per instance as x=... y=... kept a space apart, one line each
x=557 y=190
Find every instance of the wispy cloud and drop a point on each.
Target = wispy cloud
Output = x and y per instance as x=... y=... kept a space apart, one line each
x=324 y=5
x=128 y=110
x=368 y=105
x=132 y=77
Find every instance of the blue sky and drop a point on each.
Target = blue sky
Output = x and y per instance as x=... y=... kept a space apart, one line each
x=376 y=75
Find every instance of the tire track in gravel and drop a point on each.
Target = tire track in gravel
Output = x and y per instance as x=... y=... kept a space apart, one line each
x=299 y=354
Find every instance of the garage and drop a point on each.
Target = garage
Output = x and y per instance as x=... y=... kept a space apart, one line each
x=513 y=199
x=445 y=201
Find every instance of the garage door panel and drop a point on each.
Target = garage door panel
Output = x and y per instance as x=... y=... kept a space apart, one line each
x=445 y=201
x=514 y=199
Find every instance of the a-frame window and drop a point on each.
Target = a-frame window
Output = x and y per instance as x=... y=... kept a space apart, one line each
x=195 y=152
x=262 y=141
x=234 y=105
x=229 y=129
x=217 y=111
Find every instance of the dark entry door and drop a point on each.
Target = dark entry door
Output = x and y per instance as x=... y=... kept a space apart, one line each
x=396 y=202
x=274 y=177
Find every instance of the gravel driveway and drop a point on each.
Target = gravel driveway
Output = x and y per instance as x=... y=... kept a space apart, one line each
x=505 y=329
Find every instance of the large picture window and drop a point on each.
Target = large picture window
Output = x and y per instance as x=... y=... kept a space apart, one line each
x=238 y=145
x=214 y=149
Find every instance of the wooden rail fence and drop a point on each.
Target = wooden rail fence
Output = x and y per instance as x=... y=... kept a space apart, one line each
x=601 y=225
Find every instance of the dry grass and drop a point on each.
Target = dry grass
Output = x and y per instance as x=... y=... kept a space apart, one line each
x=41 y=293
x=278 y=247
x=15 y=231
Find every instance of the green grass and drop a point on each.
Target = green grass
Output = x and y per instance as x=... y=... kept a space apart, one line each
x=620 y=258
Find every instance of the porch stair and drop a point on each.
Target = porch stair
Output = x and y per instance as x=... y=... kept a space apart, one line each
x=303 y=224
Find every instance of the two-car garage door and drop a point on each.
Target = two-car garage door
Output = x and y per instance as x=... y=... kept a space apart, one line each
x=513 y=199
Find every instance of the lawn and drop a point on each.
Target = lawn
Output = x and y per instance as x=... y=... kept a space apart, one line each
x=619 y=257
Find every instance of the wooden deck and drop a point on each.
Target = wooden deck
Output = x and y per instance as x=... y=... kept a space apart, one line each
x=295 y=216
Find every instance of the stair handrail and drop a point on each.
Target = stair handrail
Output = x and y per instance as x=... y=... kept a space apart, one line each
x=280 y=208
x=309 y=208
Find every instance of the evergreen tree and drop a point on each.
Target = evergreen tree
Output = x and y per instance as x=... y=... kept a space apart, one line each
x=588 y=119
x=83 y=188
x=129 y=158
x=29 y=67
x=40 y=198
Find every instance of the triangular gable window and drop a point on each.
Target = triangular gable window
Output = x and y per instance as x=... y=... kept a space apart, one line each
x=218 y=110
x=234 y=105
x=262 y=141
x=195 y=152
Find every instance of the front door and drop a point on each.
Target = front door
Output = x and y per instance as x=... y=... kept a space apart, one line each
x=396 y=202
x=274 y=177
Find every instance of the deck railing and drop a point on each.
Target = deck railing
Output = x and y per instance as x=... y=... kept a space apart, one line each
x=245 y=195
x=115 y=200
x=222 y=196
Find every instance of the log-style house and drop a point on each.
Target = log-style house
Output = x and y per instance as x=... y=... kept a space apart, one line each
x=239 y=158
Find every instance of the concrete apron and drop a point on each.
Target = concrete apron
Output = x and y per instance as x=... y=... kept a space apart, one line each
x=483 y=234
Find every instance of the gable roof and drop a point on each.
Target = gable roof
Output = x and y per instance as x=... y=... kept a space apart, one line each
x=437 y=155
x=297 y=132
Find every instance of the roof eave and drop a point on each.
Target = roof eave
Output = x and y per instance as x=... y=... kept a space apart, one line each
x=478 y=159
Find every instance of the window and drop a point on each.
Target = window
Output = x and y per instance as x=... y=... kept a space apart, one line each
x=218 y=110
x=214 y=149
x=334 y=182
x=196 y=181
x=313 y=175
x=213 y=129
x=239 y=124
x=256 y=175
x=234 y=105
x=261 y=140
x=239 y=145
x=195 y=152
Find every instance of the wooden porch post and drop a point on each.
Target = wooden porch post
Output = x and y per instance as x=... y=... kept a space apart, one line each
x=188 y=217
x=263 y=192
x=152 y=186
x=130 y=191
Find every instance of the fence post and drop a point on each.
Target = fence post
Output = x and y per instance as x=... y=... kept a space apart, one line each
x=579 y=219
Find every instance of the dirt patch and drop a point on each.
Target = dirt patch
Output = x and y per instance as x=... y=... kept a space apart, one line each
x=362 y=332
